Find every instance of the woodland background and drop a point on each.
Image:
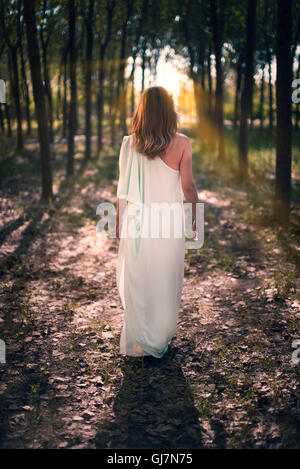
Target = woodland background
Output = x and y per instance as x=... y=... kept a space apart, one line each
x=74 y=72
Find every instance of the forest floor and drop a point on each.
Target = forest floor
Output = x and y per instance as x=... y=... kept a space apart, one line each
x=227 y=380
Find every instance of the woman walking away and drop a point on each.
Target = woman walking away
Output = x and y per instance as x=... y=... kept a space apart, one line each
x=155 y=171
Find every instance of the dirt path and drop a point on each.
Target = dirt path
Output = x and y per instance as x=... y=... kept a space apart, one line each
x=226 y=381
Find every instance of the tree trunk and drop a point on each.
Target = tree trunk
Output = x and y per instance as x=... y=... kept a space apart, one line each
x=217 y=19
x=270 y=92
x=297 y=110
x=111 y=94
x=247 y=88
x=7 y=115
x=2 y=119
x=143 y=66
x=252 y=109
x=65 y=98
x=132 y=97
x=123 y=104
x=284 y=111
x=73 y=99
x=58 y=94
x=100 y=102
x=209 y=80
x=39 y=98
x=262 y=98
x=238 y=91
x=26 y=90
x=48 y=92
x=88 y=80
x=16 y=94
x=120 y=89
x=101 y=73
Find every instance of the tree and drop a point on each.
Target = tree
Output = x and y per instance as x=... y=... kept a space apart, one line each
x=110 y=7
x=12 y=34
x=217 y=24
x=73 y=83
x=39 y=97
x=88 y=79
x=120 y=95
x=284 y=111
x=46 y=30
x=247 y=89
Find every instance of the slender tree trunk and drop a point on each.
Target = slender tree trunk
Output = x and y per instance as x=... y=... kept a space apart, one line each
x=252 y=108
x=120 y=89
x=262 y=98
x=132 y=97
x=16 y=94
x=284 y=111
x=217 y=19
x=209 y=77
x=211 y=137
x=297 y=110
x=73 y=99
x=111 y=95
x=143 y=66
x=48 y=92
x=247 y=89
x=2 y=119
x=65 y=98
x=270 y=93
x=39 y=98
x=26 y=90
x=102 y=72
x=7 y=115
x=238 y=92
x=197 y=97
x=88 y=80
x=100 y=101
x=58 y=94
x=123 y=102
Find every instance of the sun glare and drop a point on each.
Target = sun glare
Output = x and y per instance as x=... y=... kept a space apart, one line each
x=170 y=73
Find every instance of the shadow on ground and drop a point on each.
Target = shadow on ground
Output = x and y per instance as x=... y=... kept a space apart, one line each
x=154 y=407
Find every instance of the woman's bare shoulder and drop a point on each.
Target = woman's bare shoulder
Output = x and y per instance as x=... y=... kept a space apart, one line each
x=182 y=137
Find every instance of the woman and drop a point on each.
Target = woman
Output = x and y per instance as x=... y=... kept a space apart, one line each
x=155 y=168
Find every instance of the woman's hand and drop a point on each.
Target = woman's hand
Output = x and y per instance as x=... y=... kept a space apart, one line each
x=194 y=229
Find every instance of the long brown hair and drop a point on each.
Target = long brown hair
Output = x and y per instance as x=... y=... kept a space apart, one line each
x=155 y=122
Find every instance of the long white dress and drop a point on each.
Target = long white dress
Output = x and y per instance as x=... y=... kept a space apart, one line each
x=150 y=270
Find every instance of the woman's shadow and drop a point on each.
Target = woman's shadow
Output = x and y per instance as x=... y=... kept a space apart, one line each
x=154 y=407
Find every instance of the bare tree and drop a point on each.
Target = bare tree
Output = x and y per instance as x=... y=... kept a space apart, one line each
x=284 y=111
x=39 y=97
x=88 y=79
x=246 y=99
x=73 y=83
x=13 y=38
x=217 y=24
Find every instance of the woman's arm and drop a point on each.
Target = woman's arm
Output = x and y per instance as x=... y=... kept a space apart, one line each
x=187 y=181
x=117 y=219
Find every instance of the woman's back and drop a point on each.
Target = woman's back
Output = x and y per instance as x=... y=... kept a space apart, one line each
x=155 y=171
x=158 y=178
x=150 y=260
x=175 y=151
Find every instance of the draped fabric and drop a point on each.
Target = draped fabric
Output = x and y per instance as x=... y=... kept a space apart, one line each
x=149 y=270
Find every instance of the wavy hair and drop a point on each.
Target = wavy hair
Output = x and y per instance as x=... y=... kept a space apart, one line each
x=155 y=122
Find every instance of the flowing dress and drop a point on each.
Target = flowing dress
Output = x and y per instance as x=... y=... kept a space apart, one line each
x=150 y=269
